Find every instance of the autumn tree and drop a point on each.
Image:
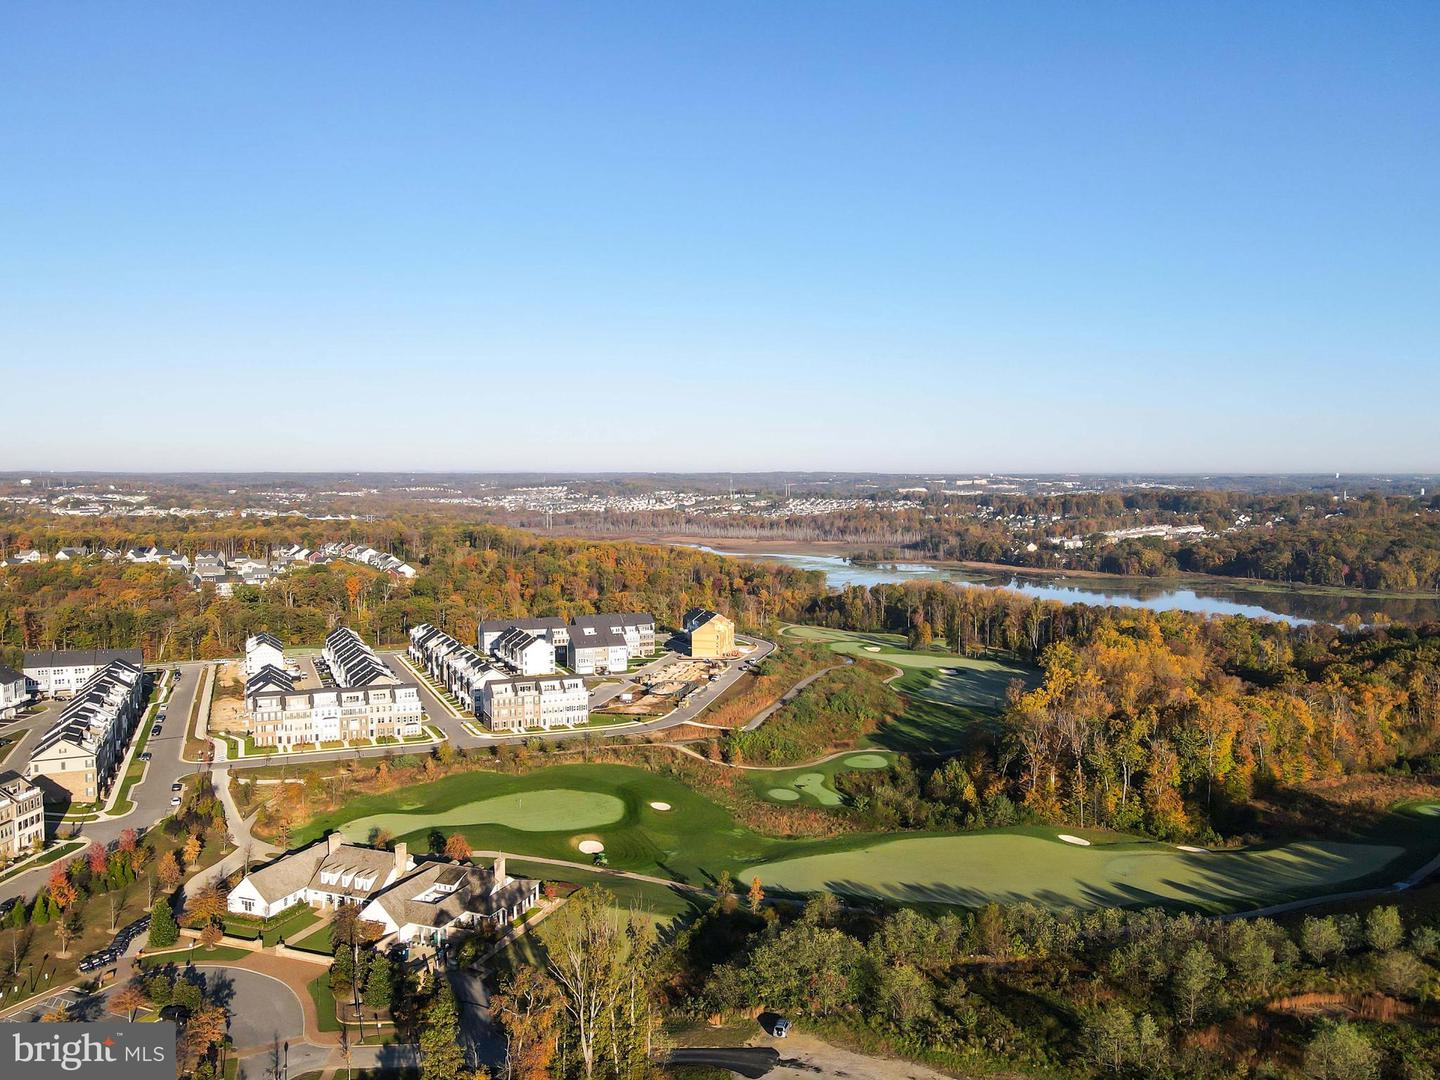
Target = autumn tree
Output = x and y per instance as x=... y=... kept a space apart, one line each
x=457 y=847
x=128 y=1000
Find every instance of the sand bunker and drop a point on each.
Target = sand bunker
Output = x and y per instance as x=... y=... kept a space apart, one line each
x=659 y=806
x=872 y=648
x=591 y=847
x=783 y=794
x=1074 y=839
x=1193 y=849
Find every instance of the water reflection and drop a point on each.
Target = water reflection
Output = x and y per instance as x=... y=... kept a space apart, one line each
x=1268 y=601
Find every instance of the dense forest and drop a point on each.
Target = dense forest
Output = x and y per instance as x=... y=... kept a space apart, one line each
x=1370 y=542
x=467 y=573
x=1103 y=993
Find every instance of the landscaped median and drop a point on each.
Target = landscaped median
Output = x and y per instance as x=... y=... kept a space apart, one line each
x=440 y=693
x=242 y=746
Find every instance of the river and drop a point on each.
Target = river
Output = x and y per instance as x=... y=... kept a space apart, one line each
x=1271 y=600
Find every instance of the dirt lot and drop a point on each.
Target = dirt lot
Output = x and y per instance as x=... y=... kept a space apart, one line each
x=227 y=706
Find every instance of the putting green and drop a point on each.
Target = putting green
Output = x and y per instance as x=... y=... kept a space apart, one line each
x=783 y=794
x=867 y=761
x=813 y=783
x=545 y=810
x=1008 y=867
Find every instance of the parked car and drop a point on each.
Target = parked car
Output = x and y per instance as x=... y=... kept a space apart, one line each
x=781 y=1028
x=155 y=731
x=145 y=755
x=175 y=800
x=177 y=786
x=97 y=960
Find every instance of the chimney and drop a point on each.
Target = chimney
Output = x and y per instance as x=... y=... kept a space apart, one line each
x=333 y=840
x=402 y=857
x=498 y=878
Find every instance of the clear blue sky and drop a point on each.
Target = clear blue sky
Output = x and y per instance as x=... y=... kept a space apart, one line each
x=882 y=235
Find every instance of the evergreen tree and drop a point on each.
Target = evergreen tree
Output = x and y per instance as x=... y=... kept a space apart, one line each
x=377 y=985
x=441 y=1055
x=40 y=915
x=164 y=931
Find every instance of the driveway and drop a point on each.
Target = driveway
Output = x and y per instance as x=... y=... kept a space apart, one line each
x=263 y=1010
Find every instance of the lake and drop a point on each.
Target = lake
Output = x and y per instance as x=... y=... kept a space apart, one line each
x=1270 y=600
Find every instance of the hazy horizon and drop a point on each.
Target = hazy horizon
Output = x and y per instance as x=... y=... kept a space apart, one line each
x=846 y=237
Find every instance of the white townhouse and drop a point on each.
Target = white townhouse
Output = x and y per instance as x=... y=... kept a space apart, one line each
x=461 y=669
x=596 y=649
x=82 y=750
x=59 y=673
x=263 y=650
x=326 y=874
x=16 y=691
x=551 y=628
x=523 y=653
x=365 y=700
x=540 y=702
x=22 y=815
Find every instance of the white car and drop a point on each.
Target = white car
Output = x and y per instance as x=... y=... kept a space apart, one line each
x=175 y=800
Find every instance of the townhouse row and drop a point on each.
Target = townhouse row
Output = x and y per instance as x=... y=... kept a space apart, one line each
x=358 y=698
x=80 y=754
x=504 y=700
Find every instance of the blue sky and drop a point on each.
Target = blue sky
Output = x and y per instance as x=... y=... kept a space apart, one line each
x=929 y=236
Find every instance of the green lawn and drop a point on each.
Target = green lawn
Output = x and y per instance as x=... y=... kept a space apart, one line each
x=815 y=784
x=696 y=839
x=290 y=928
x=1031 y=863
x=221 y=954
x=949 y=695
x=317 y=942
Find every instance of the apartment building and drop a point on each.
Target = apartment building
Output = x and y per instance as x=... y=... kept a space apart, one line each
x=524 y=653
x=363 y=700
x=81 y=752
x=710 y=634
x=550 y=628
x=593 y=640
x=540 y=702
x=263 y=650
x=59 y=673
x=596 y=650
x=16 y=691
x=22 y=815
x=461 y=669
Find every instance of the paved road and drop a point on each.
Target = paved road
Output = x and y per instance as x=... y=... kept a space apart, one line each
x=789 y=696
x=751 y=1061
x=693 y=706
x=151 y=795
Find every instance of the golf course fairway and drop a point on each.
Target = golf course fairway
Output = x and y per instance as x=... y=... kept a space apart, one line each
x=545 y=810
x=542 y=813
x=973 y=869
